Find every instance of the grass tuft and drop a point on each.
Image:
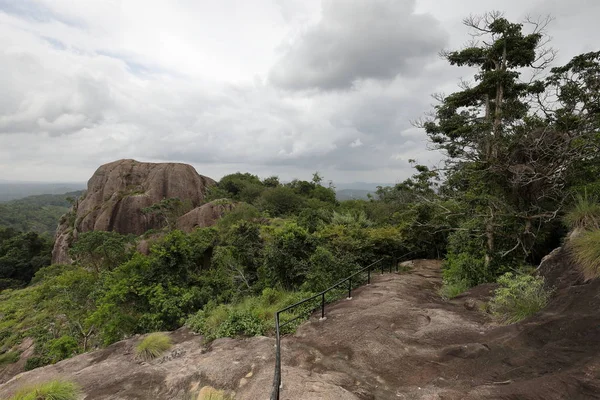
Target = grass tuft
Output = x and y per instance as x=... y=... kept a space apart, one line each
x=9 y=357
x=53 y=390
x=585 y=214
x=210 y=393
x=153 y=346
x=518 y=297
x=449 y=290
x=585 y=249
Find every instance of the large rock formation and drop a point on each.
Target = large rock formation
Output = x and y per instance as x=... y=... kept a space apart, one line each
x=117 y=193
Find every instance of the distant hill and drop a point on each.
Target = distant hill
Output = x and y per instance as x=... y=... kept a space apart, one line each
x=36 y=213
x=17 y=190
x=368 y=186
x=352 y=194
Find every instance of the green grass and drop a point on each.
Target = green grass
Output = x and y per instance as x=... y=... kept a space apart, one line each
x=153 y=346
x=210 y=393
x=53 y=390
x=9 y=357
x=450 y=290
x=585 y=249
x=253 y=316
x=585 y=214
x=518 y=297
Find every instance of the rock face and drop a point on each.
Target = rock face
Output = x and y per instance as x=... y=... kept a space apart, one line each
x=117 y=193
x=205 y=215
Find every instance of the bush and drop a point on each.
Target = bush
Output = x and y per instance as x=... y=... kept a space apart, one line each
x=53 y=390
x=585 y=214
x=210 y=393
x=451 y=289
x=35 y=362
x=153 y=346
x=585 y=249
x=61 y=348
x=251 y=317
x=9 y=357
x=518 y=297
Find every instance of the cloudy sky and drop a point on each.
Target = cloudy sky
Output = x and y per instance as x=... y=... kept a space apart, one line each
x=282 y=87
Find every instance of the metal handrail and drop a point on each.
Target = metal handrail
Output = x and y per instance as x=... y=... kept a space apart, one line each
x=278 y=326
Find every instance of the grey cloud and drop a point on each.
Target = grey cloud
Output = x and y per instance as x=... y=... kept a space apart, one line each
x=357 y=40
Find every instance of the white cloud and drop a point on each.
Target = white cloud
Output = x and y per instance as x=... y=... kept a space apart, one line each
x=84 y=83
x=356 y=143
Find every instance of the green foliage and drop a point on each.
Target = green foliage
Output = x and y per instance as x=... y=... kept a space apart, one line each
x=327 y=268
x=518 y=297
x=451 y=289
x=250 y=317
x=585 y=213
x=35 y=362
x=168 y=210
x=286 y=256
x=100 y=250
x=9 y=357
x=280 y=201
x=241 y=212
x=210 y=393
x=21 y=256
x=351 y=218
x=39 y=214
x=61 y=348
x=585 y=249
x=53 y=390
x=152 y=346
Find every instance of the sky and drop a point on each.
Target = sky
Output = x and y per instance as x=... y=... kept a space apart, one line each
x=271 y=87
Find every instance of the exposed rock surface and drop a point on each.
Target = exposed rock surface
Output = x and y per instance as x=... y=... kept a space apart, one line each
x=396 y=339
x=118 y=191
x=205 y=215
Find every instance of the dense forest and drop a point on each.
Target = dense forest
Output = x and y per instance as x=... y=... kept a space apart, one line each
x=38 y=213
x=521 y=140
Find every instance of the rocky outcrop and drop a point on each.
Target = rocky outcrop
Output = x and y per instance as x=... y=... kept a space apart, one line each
x=205 y=215
x=117 y=193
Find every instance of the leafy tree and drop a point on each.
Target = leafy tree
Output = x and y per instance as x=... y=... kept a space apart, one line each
x=286 y=257
x=101 y=251
x=501 y=154
x=280 y=201
x=168 y=210
x=21 y=256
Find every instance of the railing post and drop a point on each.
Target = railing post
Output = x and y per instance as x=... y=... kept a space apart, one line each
x=278 y=384
x=349 y=288
x=391 y=264
x=323 y=306
x=396 y=262
x=381 y=268
x=369 y=276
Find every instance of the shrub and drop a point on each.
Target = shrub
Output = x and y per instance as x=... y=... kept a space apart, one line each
x=61 y=348
x=53 y=390
x=585 y=213
x=36 y=362
x=518 y=297
x=9 y=357
x=585 y=249
x=153 y=346
x=253 y=316
x=210 y=393
x=451 y=289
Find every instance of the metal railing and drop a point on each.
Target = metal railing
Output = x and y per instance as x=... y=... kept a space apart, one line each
x=278 y=325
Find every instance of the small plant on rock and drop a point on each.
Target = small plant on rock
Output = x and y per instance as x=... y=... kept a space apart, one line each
x=585 y=249
x=518 y=297
x=585 y=214
x=153 y=346
x=53 y=390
